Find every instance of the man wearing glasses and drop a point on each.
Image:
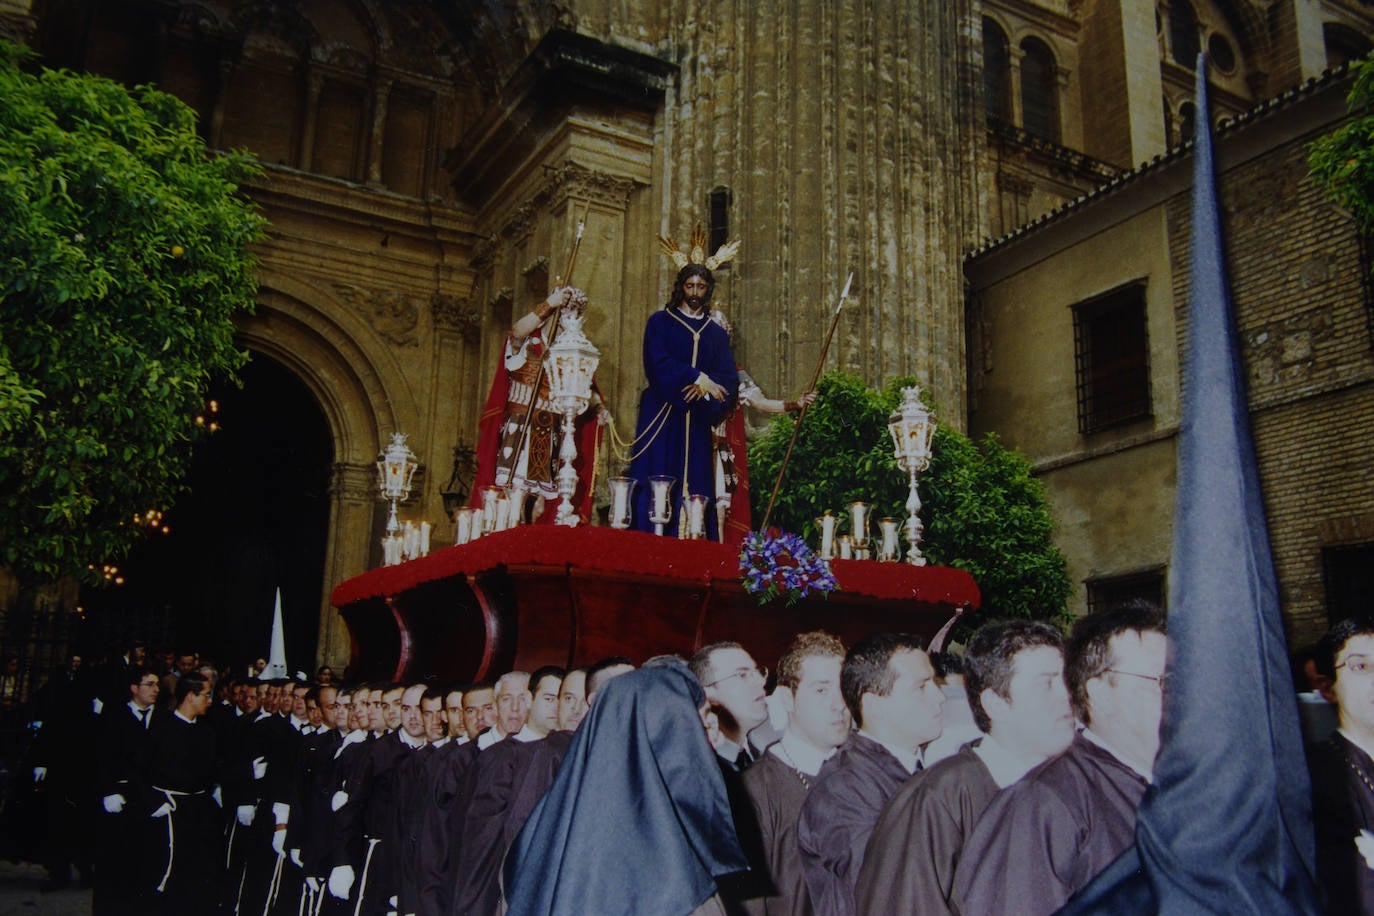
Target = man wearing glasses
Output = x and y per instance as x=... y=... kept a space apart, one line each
x=735 y=689
x=1044 y=838
x=1343 y=770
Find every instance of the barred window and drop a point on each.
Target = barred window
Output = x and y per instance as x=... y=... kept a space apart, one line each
x=1112 y=359
x=1349 y=578
x=1108 y=592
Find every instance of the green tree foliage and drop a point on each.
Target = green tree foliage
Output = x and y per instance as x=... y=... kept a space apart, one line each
x=983 y=511
x=1343 y=162
x=123 y=259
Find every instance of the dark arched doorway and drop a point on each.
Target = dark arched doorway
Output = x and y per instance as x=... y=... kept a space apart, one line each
x=254 y=520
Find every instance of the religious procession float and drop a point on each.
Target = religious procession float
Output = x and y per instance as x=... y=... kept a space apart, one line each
x=677 y=563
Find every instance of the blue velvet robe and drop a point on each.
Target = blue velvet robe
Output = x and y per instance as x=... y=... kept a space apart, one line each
x=673 y=437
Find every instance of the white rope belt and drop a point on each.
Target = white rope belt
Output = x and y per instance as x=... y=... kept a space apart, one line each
x=171 y=795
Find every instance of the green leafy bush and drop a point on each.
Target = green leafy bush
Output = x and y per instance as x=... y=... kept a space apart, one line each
x=982 y=509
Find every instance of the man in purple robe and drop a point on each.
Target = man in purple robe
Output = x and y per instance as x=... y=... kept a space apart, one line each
x=889 y=686
x=818 y=722
x=1014 y=673
x=1046 y=837
x=693 y=385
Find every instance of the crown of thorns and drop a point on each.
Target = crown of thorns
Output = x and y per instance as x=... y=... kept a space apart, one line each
x=697 y=253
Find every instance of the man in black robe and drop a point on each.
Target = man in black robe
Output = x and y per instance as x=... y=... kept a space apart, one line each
x=1046 y=837
x=368 y=816
x=818 y=723
x=181 y=779
x=124 y=831
x=1342 y=769
x=307 y=834
x=1014 y=674
x=889 y=686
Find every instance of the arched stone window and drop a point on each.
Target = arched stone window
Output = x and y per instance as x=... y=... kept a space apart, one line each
x=1039 y=90
x=1187 y=121
x=996 y=72
x=1184 y=40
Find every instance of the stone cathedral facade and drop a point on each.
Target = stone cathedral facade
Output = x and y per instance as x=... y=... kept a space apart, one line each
x=427 y=163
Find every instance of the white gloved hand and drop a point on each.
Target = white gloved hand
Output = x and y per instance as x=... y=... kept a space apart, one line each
x=281 y=811
x=40 y=774
x=163 y=810
x=113 y=804
x=245 y=815
x=218 y=797
x=341 y=881
x=313 y=884
x=338 y=800
x=259 y=767
x=296 y=858
x=279 y=842
x=97 y=706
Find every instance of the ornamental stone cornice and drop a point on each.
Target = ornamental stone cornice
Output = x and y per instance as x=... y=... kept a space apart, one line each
x=450 y=313
x=353 y=481
x=393 y=315
x=575 y=181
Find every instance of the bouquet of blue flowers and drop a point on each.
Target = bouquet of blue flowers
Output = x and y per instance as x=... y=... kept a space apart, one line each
x=777 y=563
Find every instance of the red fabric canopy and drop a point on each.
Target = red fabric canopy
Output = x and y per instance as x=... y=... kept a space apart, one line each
x=592 y=548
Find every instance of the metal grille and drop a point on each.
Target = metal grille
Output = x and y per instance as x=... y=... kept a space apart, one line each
x=1112 y=360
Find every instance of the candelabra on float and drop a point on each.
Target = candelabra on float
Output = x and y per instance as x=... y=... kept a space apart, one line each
x=913 y=429
x=395 y=468
x=571 y=362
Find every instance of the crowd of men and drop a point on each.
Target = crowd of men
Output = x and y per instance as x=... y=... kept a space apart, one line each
x=867 y=782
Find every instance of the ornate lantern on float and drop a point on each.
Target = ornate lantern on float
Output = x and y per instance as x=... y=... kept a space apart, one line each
x=570 y=363
x=913 y=430
x=395 y=469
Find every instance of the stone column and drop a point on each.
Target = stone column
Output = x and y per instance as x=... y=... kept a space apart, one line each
x=348 y=547
x=381 y=93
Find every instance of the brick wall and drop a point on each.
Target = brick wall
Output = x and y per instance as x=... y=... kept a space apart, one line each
x=1302 y=312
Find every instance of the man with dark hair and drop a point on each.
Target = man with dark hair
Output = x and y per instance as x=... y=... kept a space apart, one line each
x=1048 y=835
x=544 y=686
x=818 y=722
x=181 y=777
x=572 y=699
x=735 y=689
x=1014 y=672
x=366 y=824
x=479 y=708
x=693 y=385
x=1342 y=769
x=889 y=686
x=122 y=879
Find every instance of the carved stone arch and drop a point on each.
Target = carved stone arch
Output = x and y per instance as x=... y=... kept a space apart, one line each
x=493 y=37
x=363 y=395
x=313 y=320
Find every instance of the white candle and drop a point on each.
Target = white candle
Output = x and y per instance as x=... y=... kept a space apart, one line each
x=660 y=501
x=827 y=535
x=516 y=512
x=856 y=511
x=846 y=547
x=502 y=512
x=424 y=538
x=698 y=517
x=477 y=523
x=464 y=526
x=889 y=551
x=620 y=503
